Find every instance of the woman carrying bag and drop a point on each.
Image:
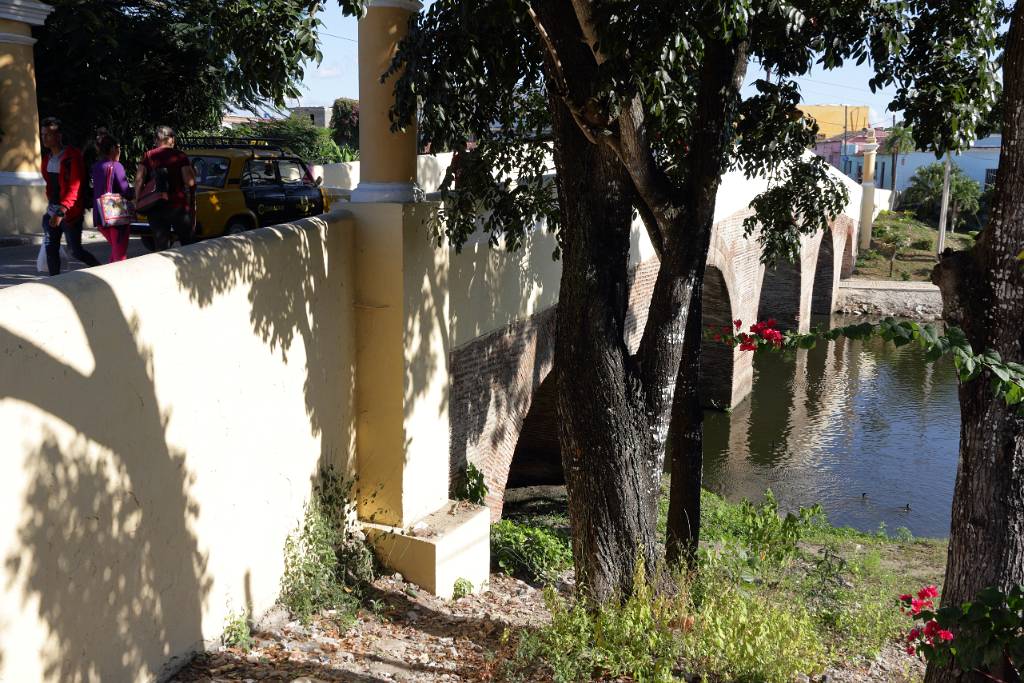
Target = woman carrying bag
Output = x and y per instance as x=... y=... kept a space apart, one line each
x=112 y=211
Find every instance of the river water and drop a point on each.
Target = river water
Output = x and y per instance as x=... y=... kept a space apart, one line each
x=841 y=420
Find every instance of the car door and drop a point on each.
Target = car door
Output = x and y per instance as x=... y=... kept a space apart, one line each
x=302 y=196
x=264 y=193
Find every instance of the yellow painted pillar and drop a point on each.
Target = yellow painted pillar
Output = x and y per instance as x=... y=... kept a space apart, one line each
x=22 y=189
x=867 y=200
x=403 y=344
x=387 y=160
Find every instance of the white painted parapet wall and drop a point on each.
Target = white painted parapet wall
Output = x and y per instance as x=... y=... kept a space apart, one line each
x=160 y=423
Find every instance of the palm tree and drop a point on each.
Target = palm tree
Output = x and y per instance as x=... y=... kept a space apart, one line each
x=900 y=140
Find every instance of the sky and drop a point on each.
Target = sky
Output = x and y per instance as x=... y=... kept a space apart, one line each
x=337 y=75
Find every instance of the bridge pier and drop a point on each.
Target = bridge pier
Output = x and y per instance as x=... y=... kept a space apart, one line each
x=403 y=344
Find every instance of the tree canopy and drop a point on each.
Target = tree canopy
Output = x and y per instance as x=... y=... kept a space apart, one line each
x=924 y=194
x=135 y=64
x=643 y=102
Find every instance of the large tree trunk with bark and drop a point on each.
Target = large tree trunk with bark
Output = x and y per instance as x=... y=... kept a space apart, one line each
x=610 y=474
x=983 y=292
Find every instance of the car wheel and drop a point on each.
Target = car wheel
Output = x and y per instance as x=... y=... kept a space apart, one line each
x=148 y=242
x=236 y=228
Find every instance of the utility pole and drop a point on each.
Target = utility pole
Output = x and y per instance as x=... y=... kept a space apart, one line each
x=842 y=154
x=945 y=206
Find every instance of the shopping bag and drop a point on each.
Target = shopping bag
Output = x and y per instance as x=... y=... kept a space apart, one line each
x=116 y=211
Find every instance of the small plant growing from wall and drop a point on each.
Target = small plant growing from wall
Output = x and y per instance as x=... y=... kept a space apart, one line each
x=472 y=487
x=327 y=560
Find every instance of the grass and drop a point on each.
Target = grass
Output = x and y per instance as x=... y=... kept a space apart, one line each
x=809 y=594
x=915 y=262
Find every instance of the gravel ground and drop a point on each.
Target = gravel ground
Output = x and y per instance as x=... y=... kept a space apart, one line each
x=412 y=636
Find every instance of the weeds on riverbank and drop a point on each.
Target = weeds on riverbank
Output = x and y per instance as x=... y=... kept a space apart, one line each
x=774 y=598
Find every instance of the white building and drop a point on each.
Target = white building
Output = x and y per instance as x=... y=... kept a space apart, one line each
x=979 y=162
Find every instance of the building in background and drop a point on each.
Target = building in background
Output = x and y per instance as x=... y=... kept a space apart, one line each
x=848 y=155
x=980 y=162
x=834 y=119
x=318 y=116
x=232 y=120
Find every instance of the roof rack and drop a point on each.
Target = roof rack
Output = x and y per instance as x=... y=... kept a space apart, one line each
x=225 y=142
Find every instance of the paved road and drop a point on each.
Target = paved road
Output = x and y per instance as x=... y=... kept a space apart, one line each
x=18 y=264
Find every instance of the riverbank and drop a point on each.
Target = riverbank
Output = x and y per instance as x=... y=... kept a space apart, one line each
x=838 y=588
x=914 y=300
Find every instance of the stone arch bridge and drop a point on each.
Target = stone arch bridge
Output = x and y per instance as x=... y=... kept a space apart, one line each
x=502 y=402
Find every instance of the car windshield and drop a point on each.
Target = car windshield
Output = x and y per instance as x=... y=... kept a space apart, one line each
x=210 y=171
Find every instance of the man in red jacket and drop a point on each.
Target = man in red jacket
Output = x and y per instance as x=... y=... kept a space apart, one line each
x=67 y=194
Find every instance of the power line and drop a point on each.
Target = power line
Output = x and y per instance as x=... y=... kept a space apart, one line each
x=332 y=35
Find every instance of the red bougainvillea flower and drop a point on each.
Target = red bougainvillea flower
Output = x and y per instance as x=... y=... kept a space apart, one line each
x=912 y=636
x=928 y=592
x=917 y=605
x=931 y=629
x=946 y=634
x=910 y=649
x=738 y=323
x=906 y=597
x=718 y=337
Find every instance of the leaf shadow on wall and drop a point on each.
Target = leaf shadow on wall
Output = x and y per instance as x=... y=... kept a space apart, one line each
x=105 y=541
x=294 y=289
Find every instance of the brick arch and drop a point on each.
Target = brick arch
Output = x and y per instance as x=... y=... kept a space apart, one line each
x=717 y=363
x=782 y=295
x=826 y=274
x=494 y=382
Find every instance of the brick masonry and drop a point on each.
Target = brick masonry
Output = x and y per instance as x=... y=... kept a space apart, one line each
x=500 y=387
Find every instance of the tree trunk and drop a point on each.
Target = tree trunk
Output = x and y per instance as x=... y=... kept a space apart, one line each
x=604 y=433
x=685 y=446
x=610 y=476
x=983 y=292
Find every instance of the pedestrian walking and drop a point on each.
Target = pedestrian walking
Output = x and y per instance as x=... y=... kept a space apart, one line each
x=165 y=190
x=111 y=213
x=67 y=195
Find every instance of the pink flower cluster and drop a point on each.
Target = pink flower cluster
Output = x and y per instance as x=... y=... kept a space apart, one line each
x=930 y=632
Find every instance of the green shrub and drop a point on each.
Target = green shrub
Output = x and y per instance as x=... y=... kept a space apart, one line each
x=313 y=145
x=530 y=552
x=923 y=245
x=327 y=561
x=472 y=486
x=462 y=588
x=768 y=538
x=742 y=636
x=639 y=639
x=236 y=631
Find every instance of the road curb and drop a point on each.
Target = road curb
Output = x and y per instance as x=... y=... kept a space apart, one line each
x=20 y=240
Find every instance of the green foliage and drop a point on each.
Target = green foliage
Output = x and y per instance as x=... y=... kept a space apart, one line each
x=327 y=562
x=893 y=239
x=769 y=538
x=462 y=588
x=529 y=552
x=923 y=245
x=988 y=631
x=237 y=632
x=136 y=64
x=472 y=487
x=924 y=194
x=740 y=635
x=311 y=144
x=638 y=639
x=345 y=123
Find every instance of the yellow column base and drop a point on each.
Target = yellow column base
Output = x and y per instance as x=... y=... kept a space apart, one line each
x=22 y=205
x=449 y=544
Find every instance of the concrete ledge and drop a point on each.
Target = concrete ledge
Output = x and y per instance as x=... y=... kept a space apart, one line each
x=920 y=300
x=448 y=544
